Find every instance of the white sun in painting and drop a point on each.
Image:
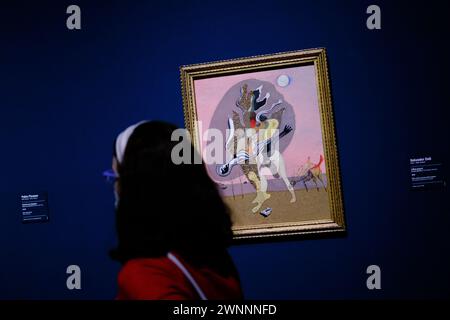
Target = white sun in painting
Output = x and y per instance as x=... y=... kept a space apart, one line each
x=283 y=80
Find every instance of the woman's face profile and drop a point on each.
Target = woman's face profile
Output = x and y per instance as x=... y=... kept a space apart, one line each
x=115 y=167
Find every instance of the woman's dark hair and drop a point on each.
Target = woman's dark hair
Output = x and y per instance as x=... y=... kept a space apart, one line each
x=164 y=206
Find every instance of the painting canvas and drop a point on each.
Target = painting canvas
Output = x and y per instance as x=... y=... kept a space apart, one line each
x=275 y=122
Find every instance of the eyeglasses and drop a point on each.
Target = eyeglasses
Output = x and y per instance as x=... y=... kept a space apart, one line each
x=110 y=176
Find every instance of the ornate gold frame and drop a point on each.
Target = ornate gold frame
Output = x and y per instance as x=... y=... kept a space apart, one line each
x=317 y=56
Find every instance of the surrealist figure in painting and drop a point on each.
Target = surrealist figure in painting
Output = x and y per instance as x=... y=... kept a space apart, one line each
x=253 y=141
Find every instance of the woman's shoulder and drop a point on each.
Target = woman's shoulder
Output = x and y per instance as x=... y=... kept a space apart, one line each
x=143 y=265
x=161 y=278
x=151 y=278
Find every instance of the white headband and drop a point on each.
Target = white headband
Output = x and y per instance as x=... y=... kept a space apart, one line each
x=122 y=140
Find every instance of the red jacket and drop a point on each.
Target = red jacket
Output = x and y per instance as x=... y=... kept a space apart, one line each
x=159 y=278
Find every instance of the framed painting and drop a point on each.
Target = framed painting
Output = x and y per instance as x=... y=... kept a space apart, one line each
x=274 y=157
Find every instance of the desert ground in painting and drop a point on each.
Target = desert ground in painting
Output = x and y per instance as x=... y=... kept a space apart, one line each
x=310 y=205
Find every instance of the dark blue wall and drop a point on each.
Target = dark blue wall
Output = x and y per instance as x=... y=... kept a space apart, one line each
x=64 y=95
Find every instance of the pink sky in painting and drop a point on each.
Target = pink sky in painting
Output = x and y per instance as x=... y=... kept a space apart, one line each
x=301 y=93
